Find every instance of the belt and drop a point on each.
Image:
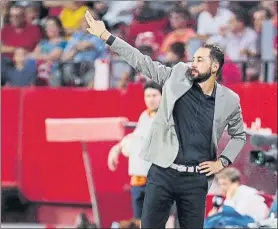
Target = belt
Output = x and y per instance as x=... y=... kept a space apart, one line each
x=186 y=169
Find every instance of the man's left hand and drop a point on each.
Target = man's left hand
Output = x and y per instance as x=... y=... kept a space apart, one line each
x=211 y=167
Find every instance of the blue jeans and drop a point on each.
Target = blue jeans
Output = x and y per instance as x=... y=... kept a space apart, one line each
x=138 y=195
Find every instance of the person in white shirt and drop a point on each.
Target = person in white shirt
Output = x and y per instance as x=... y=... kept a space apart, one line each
x=239 y=41
x=214 y=19
x=245 y=200
x=130 y=146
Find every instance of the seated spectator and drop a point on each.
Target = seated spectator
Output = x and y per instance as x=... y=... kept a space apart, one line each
x=243 y=199
x=181 y=32
x=81 y=48
x=49 y=51
x=239 y=35
x=144 y=13
x=176 y=54
x=244 y=39
x=213 y=19
x=146 y=19
x=271 y=5
x=19 y=34
x=23 y=73
x=259 y=16
x=72 y=15
x=119 y=69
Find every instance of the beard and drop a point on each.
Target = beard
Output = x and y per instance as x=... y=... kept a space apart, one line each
x=201 y=77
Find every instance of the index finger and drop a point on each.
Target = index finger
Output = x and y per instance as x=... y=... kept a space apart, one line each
x=89 y=17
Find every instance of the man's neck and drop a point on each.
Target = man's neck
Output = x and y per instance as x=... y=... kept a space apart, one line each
x=208 y=86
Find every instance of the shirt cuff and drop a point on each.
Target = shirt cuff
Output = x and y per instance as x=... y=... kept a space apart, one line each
x=110 y=40
x=225 y=158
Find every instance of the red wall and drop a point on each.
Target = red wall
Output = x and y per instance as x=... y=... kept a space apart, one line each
x=54 y=173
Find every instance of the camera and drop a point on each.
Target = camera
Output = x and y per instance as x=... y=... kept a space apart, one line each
x=265 y=158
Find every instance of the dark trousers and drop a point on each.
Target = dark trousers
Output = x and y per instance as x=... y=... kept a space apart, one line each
x=165 y=186
x=137 y=195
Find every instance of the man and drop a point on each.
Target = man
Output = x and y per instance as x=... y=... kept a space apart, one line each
x=243 y=199
x=131 y=146
x=182 y=141
x=17 y=33
x=213 y=19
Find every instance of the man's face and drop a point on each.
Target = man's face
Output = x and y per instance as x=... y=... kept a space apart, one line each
x=258 y=19
x=152 y=98
x=177 y=20
x=224 y=185
x=17 y=16
x=202 y=65
x=234 y=24
x=212 y=6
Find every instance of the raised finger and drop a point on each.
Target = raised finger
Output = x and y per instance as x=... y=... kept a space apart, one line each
x=89 y=17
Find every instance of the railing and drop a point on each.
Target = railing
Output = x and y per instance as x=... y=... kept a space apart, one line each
x=262 y=70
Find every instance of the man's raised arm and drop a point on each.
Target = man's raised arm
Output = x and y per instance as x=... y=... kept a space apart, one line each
x=142 y=63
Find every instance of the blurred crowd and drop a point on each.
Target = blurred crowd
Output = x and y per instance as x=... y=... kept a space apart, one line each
x=46 y=43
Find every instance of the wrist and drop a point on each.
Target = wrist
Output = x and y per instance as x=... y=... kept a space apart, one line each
x=105 y=35
x=220 y=163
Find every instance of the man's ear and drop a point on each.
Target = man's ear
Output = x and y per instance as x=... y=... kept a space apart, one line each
x=215 y=67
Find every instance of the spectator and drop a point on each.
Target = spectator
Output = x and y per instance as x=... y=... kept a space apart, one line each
x=181 y=32
x=259 y=15
x=84 y=47
x=245 y=200
x=81 y=48
x=239 y=35
x=214 y=19
x=144 y=13
x=72 y=15
x=272 y=7
x=176 y=54
x=100 y=8
x=17 y=34
x=23 y=73
x=120 y=71
x=49 y=51
x=146 y=19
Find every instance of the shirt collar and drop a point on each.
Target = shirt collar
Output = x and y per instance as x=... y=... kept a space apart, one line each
x=213 y=94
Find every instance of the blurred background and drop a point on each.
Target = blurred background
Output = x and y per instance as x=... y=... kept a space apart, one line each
x=50 y=67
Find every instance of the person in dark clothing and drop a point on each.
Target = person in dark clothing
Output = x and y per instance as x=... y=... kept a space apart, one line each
x=183 y=139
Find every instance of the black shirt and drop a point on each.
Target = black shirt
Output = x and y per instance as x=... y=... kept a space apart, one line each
x=193 y=116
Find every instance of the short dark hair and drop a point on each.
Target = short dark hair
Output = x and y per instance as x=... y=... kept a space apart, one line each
x=178 y=48
x=261 y=8
x=184 y=12
x=153 y=85
x=216 y=54
x=241 y=15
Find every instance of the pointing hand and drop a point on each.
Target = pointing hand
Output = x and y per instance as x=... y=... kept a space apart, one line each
x=96 y=27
